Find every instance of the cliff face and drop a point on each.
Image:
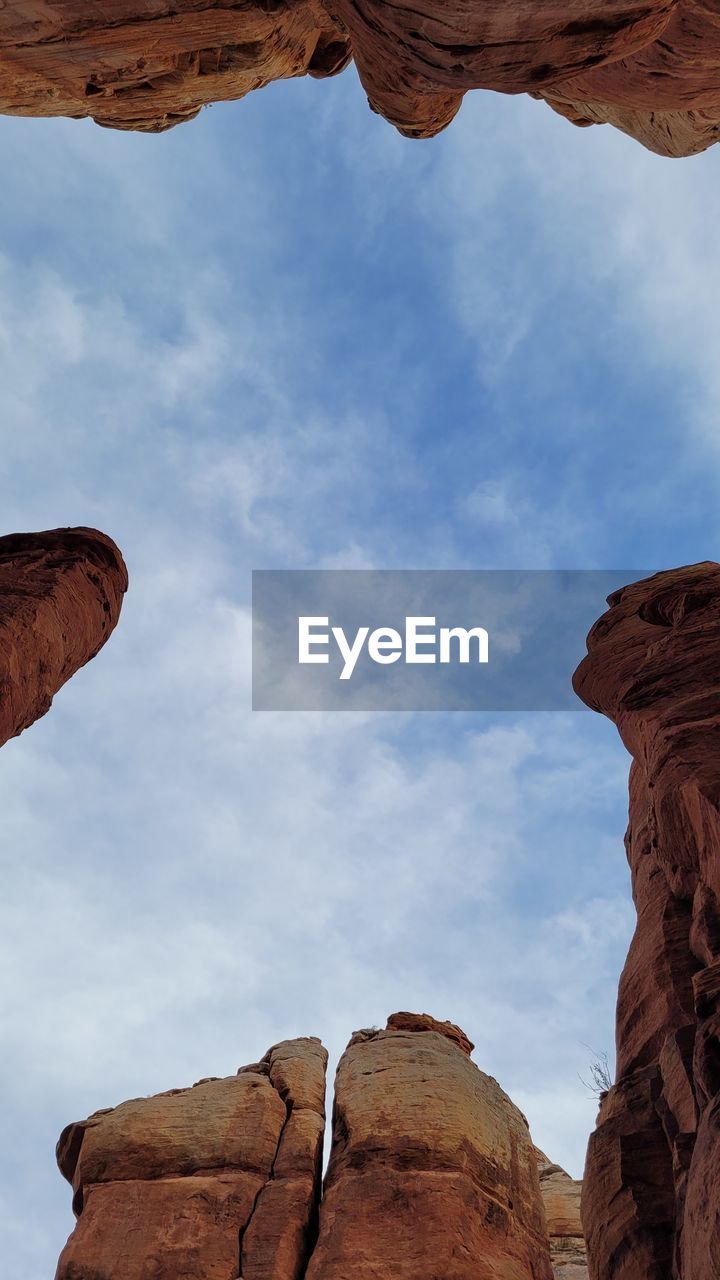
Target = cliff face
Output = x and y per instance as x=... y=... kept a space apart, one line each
x=651 y=1194
x=432 y=1172
x=60 y=598
x=652 y=70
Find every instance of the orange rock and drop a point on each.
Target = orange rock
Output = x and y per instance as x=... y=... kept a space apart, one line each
x=147 y=64
x=417 y=66
x=667 y=94
x=561 y=1198
x=651 y=69
x=206 y=1183
x=432 y=1171
x=424 y=1022
x=61 y=593
x=651 y=1193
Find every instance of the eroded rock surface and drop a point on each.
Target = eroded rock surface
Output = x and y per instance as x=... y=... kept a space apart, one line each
x=148 y=64
x=561 y=1199
x=432 y=1171
x=60 y=598
x=651 y=1193
x=651 y=69
x=208 y=1183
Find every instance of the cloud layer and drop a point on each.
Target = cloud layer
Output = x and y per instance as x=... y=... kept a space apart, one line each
x=285 y=337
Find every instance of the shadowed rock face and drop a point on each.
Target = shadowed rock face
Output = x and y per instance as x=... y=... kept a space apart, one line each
x=651 y=1193
x=651 y=69
x=60 y=598
x=432 y=1172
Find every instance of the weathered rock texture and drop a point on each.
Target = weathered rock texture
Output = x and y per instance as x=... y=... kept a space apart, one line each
x=432 y=1170
x=651 y=1193
x=60 y=598
x=432 y=1173
x=209 y=1183
x=652 y=69
x=561 y=1199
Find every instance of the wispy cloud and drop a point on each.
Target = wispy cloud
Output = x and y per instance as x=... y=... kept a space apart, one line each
x=284 y=335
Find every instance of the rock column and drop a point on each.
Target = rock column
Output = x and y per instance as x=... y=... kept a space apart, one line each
x=432 y=1170
x=651 y=1193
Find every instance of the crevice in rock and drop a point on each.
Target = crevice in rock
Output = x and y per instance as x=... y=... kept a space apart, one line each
x=310 y=1230
x=270 y=1179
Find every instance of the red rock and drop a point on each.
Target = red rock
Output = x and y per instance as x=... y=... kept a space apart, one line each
x=61 y=593
x=652 y=70
x=667 y=94
x=424 y=1022
x=432 y=1170
x=416 y=64
x=206 y=1183
x=651 y=1193
x=148 y=64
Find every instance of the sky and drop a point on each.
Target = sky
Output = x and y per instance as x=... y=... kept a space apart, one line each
x=282 y=336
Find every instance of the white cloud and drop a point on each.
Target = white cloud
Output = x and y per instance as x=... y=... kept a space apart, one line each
x=184 y=882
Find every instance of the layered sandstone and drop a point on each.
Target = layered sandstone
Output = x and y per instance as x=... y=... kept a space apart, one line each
x=209 y=1183
x=432 y=1170
x=651 y=1193
x=652 y=70
x=60 y=598
x=561 y=1200
x=150 y=64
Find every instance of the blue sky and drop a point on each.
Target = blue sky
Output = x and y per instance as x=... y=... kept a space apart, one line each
x=284 y=337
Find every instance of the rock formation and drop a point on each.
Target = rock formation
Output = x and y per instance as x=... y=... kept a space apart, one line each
x=651 y=1194
x=432 y=1172
x=208 y=1183
x=60 y=598
x=652 y=70
x=561 y=1200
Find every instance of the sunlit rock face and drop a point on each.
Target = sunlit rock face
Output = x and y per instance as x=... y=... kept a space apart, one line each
x=149 y=64
x=432 y=1172
x=651 y=69
x=561 y=1200
x=60 y=598
x=207 y=1183
x=651 y=1193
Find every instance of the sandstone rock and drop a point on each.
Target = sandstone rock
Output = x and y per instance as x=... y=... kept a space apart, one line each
x=651 y=1193
x=432 y=1173
x=425 y=1022
x=652 y=70
x=416 y=65
x=667 y=94
x=60 y=598
x=561 y=1198
x=149 y=64
x=432 y=1170
x=206 y=1183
